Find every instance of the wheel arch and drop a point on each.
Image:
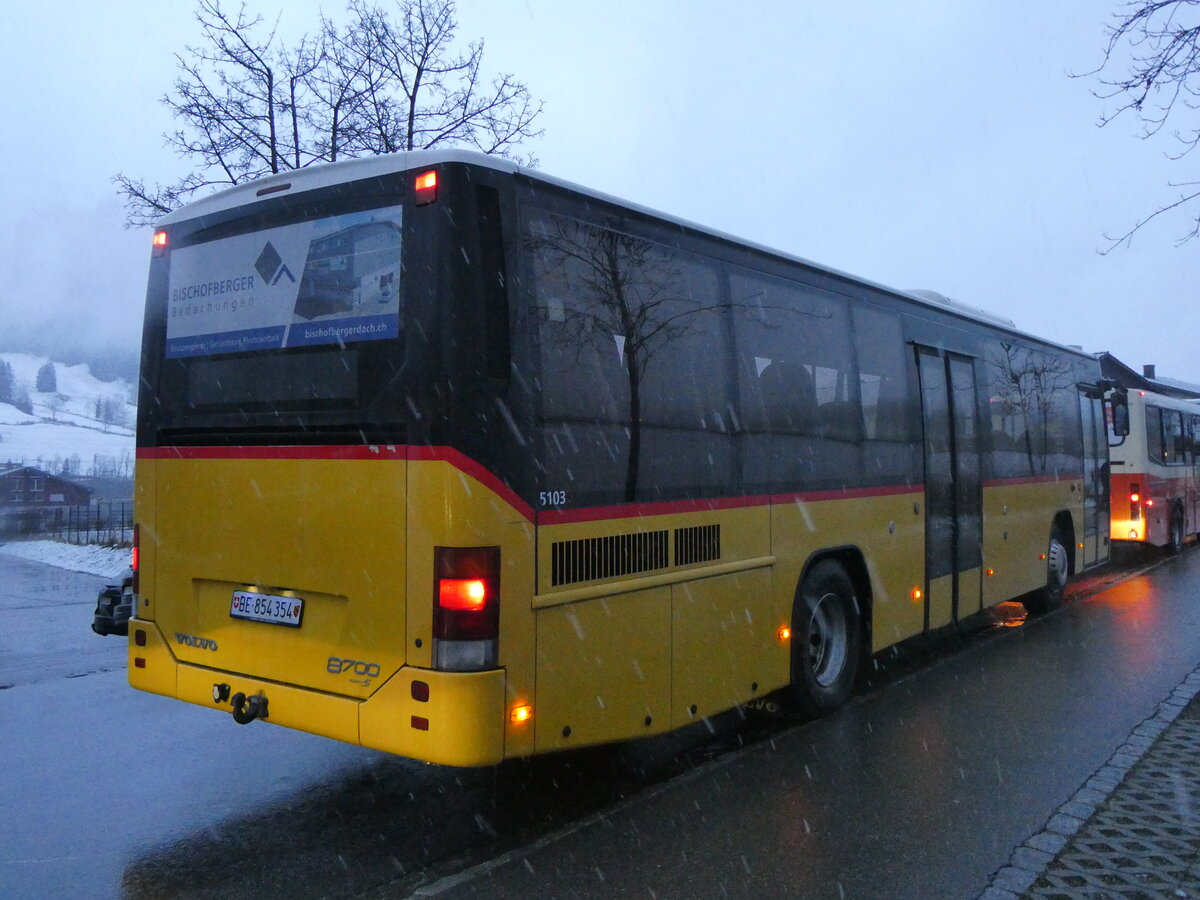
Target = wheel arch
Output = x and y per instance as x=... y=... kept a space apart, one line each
x=852 y=561
x=1064 y=521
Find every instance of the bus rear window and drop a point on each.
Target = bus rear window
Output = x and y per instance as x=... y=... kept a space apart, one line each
x=273 y=379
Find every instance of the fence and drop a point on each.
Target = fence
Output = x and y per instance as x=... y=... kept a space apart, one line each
x=103 y=522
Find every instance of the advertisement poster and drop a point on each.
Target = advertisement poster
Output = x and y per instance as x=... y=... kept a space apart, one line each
x=333 y=281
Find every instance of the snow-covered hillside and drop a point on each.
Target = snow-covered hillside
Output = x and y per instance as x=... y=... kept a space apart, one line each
x=65 y=424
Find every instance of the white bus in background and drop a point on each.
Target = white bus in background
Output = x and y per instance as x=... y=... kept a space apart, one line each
x=1156 y=472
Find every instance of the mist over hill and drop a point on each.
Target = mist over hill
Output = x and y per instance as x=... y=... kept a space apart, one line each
x=108 y=357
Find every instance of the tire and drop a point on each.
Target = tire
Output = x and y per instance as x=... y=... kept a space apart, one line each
x=1175 y=536
x=1058 y=570
x=826 y=640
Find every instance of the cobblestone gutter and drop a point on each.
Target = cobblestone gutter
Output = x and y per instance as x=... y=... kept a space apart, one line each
x=1133 y=830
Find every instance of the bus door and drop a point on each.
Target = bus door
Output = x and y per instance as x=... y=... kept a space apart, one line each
x=1095 y=479
x=953 y=487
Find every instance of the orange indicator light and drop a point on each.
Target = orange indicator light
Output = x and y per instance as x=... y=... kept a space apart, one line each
x=991 y=572
x=521 y=714
x=1041 y=556
x=1149 y=502
x=917 y=594
x=785 y=633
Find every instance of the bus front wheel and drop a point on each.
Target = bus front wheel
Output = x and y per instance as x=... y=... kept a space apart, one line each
x=826 y=639
x=1058 y=569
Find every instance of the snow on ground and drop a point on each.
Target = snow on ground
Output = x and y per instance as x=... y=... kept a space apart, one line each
x=107 y=562
x=64 y=423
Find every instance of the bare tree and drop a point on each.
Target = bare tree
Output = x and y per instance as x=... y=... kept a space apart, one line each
x=389 y=80
x=1154 y=48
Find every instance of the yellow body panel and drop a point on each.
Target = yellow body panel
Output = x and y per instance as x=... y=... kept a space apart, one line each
x=603 y=669
x=1016 y=532
x=725 y=648
x=330 y=531
x=152 y=667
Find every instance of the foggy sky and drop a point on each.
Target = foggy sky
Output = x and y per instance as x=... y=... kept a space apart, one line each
x=936 y=144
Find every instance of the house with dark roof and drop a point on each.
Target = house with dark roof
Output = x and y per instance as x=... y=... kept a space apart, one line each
x=1147 y=380
x=27 y=488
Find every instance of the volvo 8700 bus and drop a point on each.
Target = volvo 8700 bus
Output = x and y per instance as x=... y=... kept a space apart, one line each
x=1156 y=472
x=448 y=458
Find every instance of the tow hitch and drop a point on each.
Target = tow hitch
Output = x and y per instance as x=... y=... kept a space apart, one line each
x=245 y=709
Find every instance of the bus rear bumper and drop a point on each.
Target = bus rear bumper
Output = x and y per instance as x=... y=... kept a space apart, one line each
x=449 y=718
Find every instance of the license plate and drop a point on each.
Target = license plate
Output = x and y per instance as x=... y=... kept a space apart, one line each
x=266 y=608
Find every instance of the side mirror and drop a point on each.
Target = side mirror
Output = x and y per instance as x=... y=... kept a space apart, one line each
x=1118 y=413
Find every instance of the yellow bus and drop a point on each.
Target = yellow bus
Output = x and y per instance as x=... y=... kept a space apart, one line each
x=445 y=457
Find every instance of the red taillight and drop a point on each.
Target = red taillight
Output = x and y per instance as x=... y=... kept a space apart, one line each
x=1135 y=502
x=462 y=593
x=426 y=187
x=158 y=244
x=134 y=558
x=466 y=607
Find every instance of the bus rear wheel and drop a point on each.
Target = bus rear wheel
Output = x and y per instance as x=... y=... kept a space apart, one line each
x=826 y=640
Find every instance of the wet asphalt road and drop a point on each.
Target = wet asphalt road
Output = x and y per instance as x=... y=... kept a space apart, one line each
x=919 y=788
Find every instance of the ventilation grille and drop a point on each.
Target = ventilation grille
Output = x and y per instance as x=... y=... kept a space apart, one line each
x=696 y=545
x=590 y=559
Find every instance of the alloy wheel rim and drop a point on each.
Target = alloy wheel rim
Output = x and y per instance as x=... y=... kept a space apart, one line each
x=828 y=640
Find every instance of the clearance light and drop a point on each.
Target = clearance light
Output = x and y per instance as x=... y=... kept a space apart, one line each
x=1150 y=502
x=426 y=187
x=917 y=594
x=1080 y=545
x=1041 y=556
x=991 y=572
x=521 y=714
x=784 y=633
x=158 y=243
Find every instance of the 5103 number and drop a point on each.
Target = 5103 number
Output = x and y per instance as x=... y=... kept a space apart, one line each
x=552 y=498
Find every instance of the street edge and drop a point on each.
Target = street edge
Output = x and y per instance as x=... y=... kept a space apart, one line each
x=1033 y=857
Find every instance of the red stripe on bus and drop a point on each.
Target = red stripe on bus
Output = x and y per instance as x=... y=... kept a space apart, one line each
x=1033 y=479
x=672 y=507
x=318 y=451
x=642 y=510
x=393 y=452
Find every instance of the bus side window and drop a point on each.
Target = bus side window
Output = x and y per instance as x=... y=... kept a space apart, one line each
x=1154 y=435
x=794 y=341
x=883 y=381
x=493 y=283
